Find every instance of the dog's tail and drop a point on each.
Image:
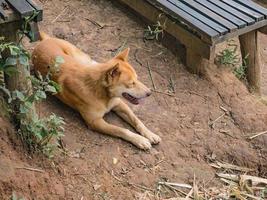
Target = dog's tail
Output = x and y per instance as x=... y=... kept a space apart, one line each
x=43 y=35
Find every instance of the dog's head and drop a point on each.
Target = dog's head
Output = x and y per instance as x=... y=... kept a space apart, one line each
x=121 y=80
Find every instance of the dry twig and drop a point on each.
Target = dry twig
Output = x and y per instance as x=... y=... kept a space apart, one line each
x=214 y=121
x=257 y=135
x=224 y=165
x=31 y=169
x=182 y=185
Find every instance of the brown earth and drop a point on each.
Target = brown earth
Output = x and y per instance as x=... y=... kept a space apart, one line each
x=102 y=167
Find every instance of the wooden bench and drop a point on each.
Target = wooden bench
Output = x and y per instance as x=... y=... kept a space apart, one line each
x=12 y=14
x=201 y=24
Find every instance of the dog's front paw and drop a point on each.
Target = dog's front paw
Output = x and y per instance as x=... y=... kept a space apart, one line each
x=152 y=137
x=142 y=143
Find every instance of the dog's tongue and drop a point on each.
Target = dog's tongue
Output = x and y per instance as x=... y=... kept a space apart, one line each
x=131 y=99
x=141 y=101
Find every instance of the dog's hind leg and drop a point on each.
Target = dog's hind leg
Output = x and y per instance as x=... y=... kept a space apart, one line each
x=123 y=110
x=102 y=126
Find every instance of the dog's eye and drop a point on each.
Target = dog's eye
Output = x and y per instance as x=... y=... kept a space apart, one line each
x=130 y=85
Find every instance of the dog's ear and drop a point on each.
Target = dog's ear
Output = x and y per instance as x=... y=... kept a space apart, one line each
x=114 y=71
x=112 y=74
x=123 y=55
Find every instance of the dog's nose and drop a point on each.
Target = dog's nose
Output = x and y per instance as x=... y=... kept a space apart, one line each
x=148 y=93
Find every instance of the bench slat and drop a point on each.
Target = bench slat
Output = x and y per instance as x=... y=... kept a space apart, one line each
x=188 y=19
x=222 y=30
x=257 y=16
x=240 y=23
x=211 y=15
x=249 y=20
x=21 y=6
x=37 y=8
x=252 y=5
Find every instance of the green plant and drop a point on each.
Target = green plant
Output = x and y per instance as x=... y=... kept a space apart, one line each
x=154 y=31
x=228 y=57
x=35 y=132
x=240 y=71
x=17 y=54
x=25 y=29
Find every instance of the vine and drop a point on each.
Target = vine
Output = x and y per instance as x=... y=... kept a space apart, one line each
x=34 y=131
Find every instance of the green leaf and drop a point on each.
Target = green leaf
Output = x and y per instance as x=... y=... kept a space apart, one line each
x=51 y=89
x=10 y=61
x=40 y=94
x=19 y=95
x=23 y=60
x=28 y=104
x=23 y=109
x=10 y=71
x=14 y=50
x=55 y=85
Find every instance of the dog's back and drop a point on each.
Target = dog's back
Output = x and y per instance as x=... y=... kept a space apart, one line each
x=49 y=48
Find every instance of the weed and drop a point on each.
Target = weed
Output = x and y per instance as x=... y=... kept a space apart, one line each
x=230 y=58
x=240 y=71
x=154 y=31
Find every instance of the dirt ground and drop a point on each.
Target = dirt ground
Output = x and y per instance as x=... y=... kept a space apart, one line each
x=102 y=167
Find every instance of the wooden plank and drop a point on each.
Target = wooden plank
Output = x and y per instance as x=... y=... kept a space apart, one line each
x=222 y=30
x=257 y=16
x=34 y=5
x=233 y=11
x=211 y=15
x=148 y=9
x=37 y=8
x=241 y=31
x=230 y=17
x=188 y=19
x=22 y=7
x=254 y=6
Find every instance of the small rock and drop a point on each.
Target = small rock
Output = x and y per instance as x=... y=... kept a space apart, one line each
x=115 y=161
x=96 y=186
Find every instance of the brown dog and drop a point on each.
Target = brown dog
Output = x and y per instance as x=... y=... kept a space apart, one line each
x=94 y=88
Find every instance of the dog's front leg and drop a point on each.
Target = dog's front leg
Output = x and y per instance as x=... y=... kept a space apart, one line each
x=123 y=110
x=102 y=126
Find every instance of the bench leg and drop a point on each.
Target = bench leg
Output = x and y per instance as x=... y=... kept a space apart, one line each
x=250 y=47
x=196 y=63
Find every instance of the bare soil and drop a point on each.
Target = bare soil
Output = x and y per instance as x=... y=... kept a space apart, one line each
x=101 y=167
